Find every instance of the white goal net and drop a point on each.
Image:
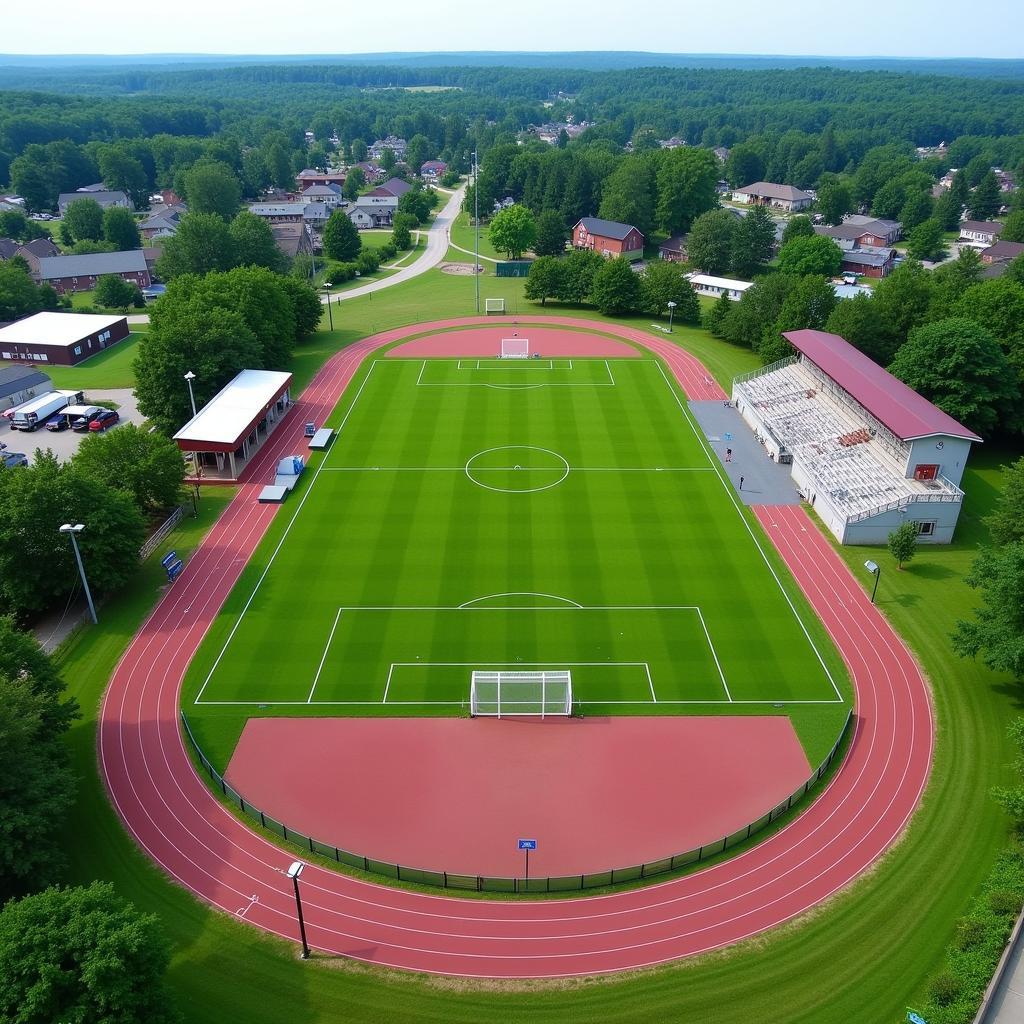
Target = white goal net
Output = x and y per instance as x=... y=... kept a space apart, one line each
x=494 y=306
x=537 y=694
x=515 y=348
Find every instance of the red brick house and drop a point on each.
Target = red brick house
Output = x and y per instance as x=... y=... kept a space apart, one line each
x=62 y=338
x=608 y=238
x=309 y=177
x=871 y=262
x=673 y=249
x=80 y=273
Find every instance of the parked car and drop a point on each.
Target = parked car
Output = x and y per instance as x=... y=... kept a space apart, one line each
x=12 y=459
x=58 y=422
x=103 y=419
x=80 y=424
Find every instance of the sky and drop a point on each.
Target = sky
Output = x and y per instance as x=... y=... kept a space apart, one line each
x=901 y=28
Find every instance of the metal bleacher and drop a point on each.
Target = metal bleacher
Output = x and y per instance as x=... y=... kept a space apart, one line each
x=832 y=438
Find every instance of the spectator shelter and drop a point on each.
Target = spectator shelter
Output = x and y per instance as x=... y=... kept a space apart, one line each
x=235 y=423
x=61 y=338
x=867 y=451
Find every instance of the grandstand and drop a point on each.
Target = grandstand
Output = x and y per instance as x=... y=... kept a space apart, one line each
x=867 y=451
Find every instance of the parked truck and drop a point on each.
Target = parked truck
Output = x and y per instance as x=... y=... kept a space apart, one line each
x=35 y=413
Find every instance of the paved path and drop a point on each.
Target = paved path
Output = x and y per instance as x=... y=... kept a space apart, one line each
x=1007 y=1005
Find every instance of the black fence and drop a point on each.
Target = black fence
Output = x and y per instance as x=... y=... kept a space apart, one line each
x=483 y=883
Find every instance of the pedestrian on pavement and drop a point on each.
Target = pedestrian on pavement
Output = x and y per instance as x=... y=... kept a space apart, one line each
x=728 y=455
x=741 y=483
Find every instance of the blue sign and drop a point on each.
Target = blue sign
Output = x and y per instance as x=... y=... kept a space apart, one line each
x=914 y=1017
x=168 y=559
x=174 y=571
x=527 y=844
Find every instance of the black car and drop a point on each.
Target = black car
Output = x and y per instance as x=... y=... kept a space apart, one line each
x=58 y=422
x=80 y=424
x=12 y=459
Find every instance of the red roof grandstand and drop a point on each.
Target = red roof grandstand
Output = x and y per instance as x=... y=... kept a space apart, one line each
x=906 y=413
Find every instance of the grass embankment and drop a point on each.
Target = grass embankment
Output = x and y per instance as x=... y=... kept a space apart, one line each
x=111 y=368
x=861 y=960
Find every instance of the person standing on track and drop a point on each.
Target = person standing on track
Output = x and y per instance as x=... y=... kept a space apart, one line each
x=741 y=483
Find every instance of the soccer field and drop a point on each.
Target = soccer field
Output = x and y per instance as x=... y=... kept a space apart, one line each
x=515 y=515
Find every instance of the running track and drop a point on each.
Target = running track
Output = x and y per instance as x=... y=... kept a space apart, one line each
x=198 y=842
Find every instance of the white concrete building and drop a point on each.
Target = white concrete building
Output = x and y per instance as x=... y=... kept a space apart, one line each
x=713 y=287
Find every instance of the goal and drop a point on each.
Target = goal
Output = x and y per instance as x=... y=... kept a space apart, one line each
x=492 y=306
x=515 y=348
x=536 y=694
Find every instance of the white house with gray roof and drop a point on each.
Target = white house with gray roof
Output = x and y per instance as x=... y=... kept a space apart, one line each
x=768 y=193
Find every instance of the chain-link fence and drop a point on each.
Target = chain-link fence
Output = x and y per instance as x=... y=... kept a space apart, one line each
x=483 y=883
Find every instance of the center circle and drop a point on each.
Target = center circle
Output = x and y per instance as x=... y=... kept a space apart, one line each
x=517 y=469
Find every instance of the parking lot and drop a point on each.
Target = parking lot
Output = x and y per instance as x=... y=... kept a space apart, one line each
x=65 y=443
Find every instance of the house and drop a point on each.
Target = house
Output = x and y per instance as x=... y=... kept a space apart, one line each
x=308 y=177
x=392 y=142
x=280 y=213
x=8 y=248
x=767 y=193
x=80 y=273
x=433 y=170
x=673 y=249
x=151 y=253
x=98 y=187
x=316 y=215
x=722 y=152
x=857 y=231
x=372 y=171
x=869 y=261
x=392 y=187
x=38 y=248
x=373 y=211
x=162 y=222
x=20 y=383
x=608 y=237
x=715 y=287
x=292 y=239
x=105 y=199
x=61 y=338
x=1002 y=252
x=328 y=195
x=979 y=234
x=674 y=143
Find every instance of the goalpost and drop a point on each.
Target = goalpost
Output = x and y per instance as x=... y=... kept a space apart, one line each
x=515 y=348
x=492 y=306
x=535 y=694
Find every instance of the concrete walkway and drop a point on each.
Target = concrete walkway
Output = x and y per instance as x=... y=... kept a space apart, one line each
x=1007 y=1005
x=765 y=482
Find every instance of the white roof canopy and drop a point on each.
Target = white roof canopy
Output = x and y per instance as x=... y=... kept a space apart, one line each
x=233 y=412
x=56 y=328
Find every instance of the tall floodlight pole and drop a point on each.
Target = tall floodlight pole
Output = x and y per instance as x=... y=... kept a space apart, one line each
x=293 y=873
x=876 y=570
x=671 y=311
x=190 y=376
x=476 y=219
x=330 y=315
x=72 y=532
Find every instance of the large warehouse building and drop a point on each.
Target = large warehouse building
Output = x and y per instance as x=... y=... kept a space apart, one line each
x=867 y=451
x=62 y=338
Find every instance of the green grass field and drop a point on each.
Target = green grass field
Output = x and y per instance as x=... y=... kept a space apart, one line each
x=111 y=368
x=551 y=514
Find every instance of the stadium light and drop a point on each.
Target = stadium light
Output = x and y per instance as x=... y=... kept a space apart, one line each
x=72 y=532
x=476 y=227
x=875 y=569
x=671 y=312
x=293 y=873
x=190 y=376
x=330 y=315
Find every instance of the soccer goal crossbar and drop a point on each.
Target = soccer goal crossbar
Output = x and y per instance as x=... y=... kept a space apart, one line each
x=537 y=694
x=515 y=348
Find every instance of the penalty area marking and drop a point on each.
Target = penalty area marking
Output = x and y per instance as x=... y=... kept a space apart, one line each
x=517 y=364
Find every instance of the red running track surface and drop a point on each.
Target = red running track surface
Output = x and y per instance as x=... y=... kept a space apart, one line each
x=597 y=793
x=198 y=842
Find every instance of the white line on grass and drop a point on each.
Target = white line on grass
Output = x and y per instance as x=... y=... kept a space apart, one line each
x=462 y=703
x=650 y=683
x=323 y=658
x=504 y=469
x=387 y=685
x=714 y=654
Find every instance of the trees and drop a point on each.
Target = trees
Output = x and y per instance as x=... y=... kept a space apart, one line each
x=859 y=321
x=513 y=231
x=1013 y=227
x=716 y=319
x=146 y=466
x=663 y=282
x=616 y=287
x=546 y=279
x=799 y=226
x=997 y=630
x=918 y=208
x=120 y=229
x=958 y=365
x=753 y=241
x=817 y=254
x=417 y=202
x=306 y=308
x=581 y=267
x=709 y=245
x=120 y=170
x=984 y=200
x=37 y=786
x=83 y=219
x=19 y=294
x=630 y=193
x=37 y=565
x=835 y=199
x=253 y=243
x=926 y=242
x=401 y=237
x=82 y=954
x=754 y=317
x=355 y=179
x=686 y=187
x=1006 y=521
x=947 y=210
x=551 y=234
x=114 y=292
x=202 y=244
x=213 y=188
x=903 y=299
x=341 y=238
x=903 y=543
x=744 y=166
x=998 y=305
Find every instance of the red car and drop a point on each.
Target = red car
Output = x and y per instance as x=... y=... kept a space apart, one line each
x=104 y=419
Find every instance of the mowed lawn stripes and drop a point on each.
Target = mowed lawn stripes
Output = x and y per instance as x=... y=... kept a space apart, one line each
x=523 y=503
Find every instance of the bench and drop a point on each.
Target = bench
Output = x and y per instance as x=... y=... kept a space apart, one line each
x=321 y=439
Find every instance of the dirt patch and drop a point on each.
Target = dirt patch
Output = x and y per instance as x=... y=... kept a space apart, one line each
x=462 y=269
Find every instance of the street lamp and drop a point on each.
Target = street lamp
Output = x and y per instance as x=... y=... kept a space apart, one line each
x=476 y=218
x=72 y=531
x=293 y=873
x=876 y=571
x=671 y=311
x=330 y=315
x=190 y=376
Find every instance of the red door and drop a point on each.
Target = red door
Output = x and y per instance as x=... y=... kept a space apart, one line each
x=926 y=472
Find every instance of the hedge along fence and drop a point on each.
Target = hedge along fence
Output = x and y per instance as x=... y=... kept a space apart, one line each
x=482 y=883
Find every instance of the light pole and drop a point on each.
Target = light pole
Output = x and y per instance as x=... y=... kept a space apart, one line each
x=72 y=531
x=476 y=219
x=293 y=873
x=330 y=315
x=876 y=570
x=671 y=313
x=190 y=376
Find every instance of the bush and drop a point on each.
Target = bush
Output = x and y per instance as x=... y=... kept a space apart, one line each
x=944 y=988
x=368 y=262
x=387 y=252
x=339 y=273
